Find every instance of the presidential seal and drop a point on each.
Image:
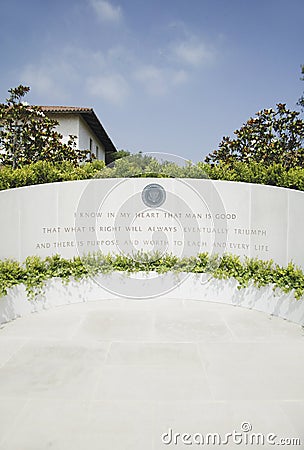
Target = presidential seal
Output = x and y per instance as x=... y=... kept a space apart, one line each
x=153 y=195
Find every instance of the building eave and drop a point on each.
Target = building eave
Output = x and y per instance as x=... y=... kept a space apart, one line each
x=89 y=116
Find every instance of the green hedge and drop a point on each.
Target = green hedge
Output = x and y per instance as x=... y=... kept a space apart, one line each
x=34 y=272
x=274 y=175
x=45 y=172
x=144 y=166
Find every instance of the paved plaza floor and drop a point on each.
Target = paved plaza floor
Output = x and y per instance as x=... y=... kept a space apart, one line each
x=134 y=374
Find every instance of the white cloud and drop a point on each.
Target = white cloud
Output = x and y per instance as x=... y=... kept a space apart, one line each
x=112 y=74
x=112 y=88
x=82 y=58
x=159 y=81
x=106 y=11
x=179 y=77
x=45 y=80
x=153 y=79
x=120 y=55
x=37 y=77
x=192 y=52
x=78 y=73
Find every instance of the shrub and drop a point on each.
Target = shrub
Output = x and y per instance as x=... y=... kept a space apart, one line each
x=45 y=172
x=143 y=166
x=34 y=272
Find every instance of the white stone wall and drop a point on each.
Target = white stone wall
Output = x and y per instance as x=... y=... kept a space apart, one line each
x=184 y=286
x=196 y=216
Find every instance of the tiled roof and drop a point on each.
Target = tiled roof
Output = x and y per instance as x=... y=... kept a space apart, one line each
x=91 y=119
x=65 y=109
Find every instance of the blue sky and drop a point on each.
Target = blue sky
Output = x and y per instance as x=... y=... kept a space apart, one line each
x=171 y=76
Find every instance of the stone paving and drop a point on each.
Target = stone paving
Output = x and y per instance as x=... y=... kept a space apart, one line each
x=118 y=374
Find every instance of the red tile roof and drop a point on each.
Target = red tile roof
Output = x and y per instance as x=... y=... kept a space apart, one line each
x=65 y=109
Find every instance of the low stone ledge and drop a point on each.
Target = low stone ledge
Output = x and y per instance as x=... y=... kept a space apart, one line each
x=143 y=286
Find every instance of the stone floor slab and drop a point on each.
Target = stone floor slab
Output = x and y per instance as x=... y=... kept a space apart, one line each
x=118 y=375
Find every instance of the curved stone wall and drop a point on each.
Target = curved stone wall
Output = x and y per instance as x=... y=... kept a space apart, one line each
x=180 y=216
x=189 y=287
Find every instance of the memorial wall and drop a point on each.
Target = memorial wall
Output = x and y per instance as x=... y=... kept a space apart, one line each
x=179 y=216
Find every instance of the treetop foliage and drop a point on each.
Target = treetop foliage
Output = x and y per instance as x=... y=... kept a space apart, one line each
x=27 y=135
x=301 y=99
x=274 y=136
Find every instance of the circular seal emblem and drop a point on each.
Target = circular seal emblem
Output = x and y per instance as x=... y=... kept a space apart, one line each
x=153 y=195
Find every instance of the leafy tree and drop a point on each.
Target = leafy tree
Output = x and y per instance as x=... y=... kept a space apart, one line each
x=117 y=155
x=27 y=135
x=273 y=136
x=142 y=165
x=301 y=99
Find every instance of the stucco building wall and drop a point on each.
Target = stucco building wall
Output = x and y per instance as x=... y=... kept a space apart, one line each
x=71 y=124
x=87 y=139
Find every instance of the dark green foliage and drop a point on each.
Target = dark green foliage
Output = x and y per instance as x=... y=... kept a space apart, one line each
x=28 y=135
x=35 y=272
x=301 y=99
x=272 y=137
x=117 y=155
x=140 y=166
x=258 y=173
x=46 y=172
